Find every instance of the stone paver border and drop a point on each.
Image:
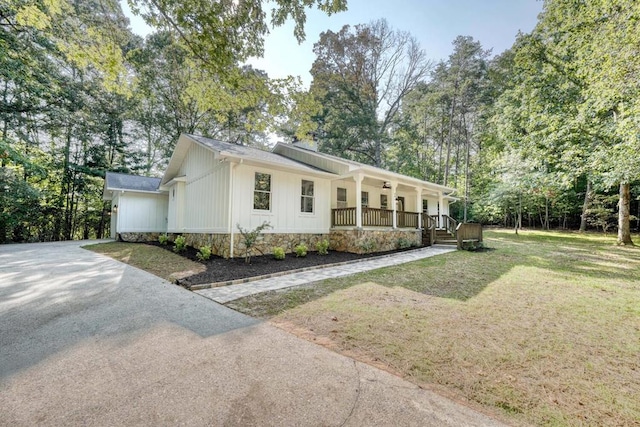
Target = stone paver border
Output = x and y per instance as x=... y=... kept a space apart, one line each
x=245 y=287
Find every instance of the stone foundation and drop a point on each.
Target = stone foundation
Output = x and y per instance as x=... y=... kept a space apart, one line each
x=354 y=241
x=368 y=241
x=138 y=237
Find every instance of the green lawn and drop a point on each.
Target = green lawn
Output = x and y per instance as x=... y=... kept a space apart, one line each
x=543 y=328
x=153 y=259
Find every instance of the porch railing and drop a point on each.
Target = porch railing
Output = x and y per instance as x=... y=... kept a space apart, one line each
x=450 y=224
x=373 y=217
x=468 y=232
x=429 y=225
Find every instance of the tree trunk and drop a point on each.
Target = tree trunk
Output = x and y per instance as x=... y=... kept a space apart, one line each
x=466 y=171
x=585 y=207
x=624 y=207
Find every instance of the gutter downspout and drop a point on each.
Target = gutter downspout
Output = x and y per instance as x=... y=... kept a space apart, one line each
x=232 y=166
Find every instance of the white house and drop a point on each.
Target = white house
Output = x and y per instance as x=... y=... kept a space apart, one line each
x=212 y=187
x=138 y=206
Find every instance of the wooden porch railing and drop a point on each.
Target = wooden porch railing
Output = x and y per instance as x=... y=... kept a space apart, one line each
x=343 y=217
x=450 y=224
x=467 y=232
x=373 y=217
x=377 y=217
x=429 y=226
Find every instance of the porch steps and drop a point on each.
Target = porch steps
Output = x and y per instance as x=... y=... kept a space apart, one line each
x=443 y=237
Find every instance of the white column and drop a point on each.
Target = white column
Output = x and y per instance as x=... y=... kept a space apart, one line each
x=441 y=209
x=394 y=196
x=358 y=179
x=419 y=205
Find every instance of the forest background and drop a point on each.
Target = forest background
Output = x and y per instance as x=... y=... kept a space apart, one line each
x=542 y=135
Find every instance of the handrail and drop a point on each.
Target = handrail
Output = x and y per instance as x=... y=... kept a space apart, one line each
x=375 y=217
x=450 y=224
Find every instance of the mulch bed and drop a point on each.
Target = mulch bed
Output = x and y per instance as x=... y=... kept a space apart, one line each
x=219 y=269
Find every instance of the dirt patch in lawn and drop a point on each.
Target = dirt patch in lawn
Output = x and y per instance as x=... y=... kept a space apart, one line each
x=545 y=330
x=158 y=262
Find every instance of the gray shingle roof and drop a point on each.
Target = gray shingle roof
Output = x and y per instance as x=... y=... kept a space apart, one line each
x=121 y=181
x=252 y=153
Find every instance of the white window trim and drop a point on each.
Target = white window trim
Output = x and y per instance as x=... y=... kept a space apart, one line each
x=313 y=198
x=270 y=192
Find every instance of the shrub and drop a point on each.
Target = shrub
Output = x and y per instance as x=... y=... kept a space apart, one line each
x=472 y=246
x=368 y=245
x=323 y=247
x=180 y=244
x=278 y=253
x=301 y=250
x=163 y=239
x=204 y=253
x=250 y=237
x=404 y=243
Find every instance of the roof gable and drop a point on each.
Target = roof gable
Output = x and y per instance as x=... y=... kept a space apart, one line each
x=233 y=151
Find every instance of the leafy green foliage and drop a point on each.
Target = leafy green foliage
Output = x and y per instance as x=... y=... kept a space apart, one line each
x=323 y=247
x=301 y=250
x=368 y=245
x=179 y=244
x=204 y=253
x=278 y=253
x=163 y=239
x=404 y=243
x=250 y=237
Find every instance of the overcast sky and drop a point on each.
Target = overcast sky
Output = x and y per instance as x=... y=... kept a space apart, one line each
x=434 y=23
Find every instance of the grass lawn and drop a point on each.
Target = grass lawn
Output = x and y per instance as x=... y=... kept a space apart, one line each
x=544 y=328
x=150 y=258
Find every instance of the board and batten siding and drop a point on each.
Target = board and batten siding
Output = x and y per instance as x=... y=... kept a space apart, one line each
x=206 y=193
x=285 y=215
x=141 y=213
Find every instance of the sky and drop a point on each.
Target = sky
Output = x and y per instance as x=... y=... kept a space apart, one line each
x=434 y=23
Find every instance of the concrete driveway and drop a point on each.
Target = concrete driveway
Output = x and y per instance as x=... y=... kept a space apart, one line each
x=86 y=340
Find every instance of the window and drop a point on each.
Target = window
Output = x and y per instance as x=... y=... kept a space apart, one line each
x=306 y=198
x=425 y=205
x=384 y=201
x=364 y=199
x=262 y=192
x=400 y=203
x=342 y=197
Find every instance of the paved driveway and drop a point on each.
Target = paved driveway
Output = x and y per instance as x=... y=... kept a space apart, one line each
x=85 y=340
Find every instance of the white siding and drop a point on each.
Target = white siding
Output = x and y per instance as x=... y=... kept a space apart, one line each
x=285 y=215
x=140 y=212
x=206 y=192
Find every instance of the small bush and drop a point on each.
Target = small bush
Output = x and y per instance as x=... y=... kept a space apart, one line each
x=163 y=239
x=472 y=246
x=278 y=253
x=368 y=245
x=180 y=244
x=204 y=253
x=301 y=250
x=404 y=243
x=323 y=247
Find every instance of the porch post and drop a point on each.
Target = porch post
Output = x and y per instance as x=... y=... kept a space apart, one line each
x=358 y=179
x=441 y=209
x=394 y=196
x=419 y=206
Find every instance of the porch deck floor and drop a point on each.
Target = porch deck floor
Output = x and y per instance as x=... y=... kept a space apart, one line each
x=225 y=294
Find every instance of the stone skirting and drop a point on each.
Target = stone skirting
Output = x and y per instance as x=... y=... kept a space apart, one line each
x=139 y=237
x=368 y=241
x=355 y=241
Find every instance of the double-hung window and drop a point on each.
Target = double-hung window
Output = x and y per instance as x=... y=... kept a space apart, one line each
x=342 y=198
x=262 y=192
x=306 y=197
x=384 y=201
x=364 y=199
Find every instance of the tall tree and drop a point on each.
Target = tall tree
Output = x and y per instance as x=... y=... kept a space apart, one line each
x=361 y=76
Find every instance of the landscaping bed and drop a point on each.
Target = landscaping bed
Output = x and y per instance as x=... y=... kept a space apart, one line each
x=221 y=270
